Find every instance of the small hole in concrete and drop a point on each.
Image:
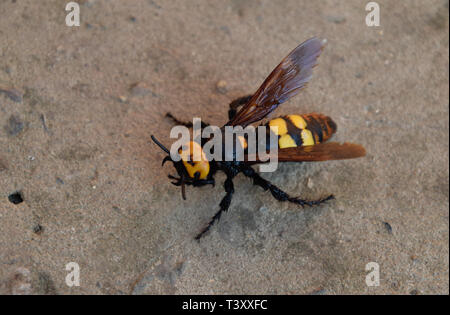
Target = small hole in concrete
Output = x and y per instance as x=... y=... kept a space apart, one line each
x=15 y=198
x=38 y=229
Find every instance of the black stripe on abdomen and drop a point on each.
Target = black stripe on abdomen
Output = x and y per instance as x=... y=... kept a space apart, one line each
x=314 y=126
x=293 y=131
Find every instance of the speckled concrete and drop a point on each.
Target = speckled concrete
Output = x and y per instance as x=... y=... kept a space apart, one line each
x=77 y=106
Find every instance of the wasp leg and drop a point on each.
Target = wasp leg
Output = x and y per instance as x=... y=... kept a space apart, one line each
x=235 y=104
x=224 y=205
x=183 y=123
x=203 y=182
x=278 y=193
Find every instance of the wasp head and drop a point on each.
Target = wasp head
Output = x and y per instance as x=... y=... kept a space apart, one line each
x=190 y=172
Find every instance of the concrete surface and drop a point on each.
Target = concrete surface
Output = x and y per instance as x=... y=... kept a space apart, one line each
x=78 y=104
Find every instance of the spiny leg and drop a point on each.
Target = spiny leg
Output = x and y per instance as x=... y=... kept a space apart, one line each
x=224 y=205
x=277 y=192
x=183 y=123
x=235 y=104
x=195 y=183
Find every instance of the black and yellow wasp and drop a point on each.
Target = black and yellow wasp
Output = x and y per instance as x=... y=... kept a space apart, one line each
x=300 y=137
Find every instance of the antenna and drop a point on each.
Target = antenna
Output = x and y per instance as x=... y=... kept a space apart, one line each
x=160 y=144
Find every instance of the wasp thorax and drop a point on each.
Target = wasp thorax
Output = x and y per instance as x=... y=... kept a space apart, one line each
x=194 y=160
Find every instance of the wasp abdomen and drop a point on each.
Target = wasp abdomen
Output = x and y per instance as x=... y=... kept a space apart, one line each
x=302 y=130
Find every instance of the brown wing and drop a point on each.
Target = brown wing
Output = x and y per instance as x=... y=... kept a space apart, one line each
x=320 y=152
x=285 y=81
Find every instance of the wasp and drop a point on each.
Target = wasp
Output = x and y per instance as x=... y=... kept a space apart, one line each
x=301 y=137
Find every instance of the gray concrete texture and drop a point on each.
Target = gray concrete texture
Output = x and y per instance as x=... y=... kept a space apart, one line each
x=78 y=104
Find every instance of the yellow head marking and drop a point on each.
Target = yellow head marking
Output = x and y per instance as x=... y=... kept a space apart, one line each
x=281 y=124
x=307 y=137
x=298 y=121
x=192 y=167
x=286 y=141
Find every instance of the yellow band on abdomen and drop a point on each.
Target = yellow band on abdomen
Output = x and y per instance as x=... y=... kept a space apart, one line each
x=286 y=141
x=278 y=126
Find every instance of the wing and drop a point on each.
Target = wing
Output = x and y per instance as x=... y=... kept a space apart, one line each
x=320 y=152
x=285 y=81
